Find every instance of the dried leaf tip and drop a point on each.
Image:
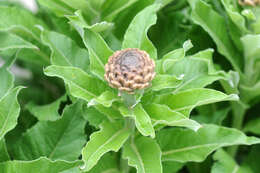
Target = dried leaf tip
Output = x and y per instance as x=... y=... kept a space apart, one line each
x=129 y=70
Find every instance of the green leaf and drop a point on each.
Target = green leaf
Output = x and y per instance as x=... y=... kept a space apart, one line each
x=144 y=154
x=250 y=88
x=171 y=167
x=106 y=99
x=234 y=15
x=93 y=116
x=161 y=114
x=142 y=120
x=40 y=165
x=78 y=21
x=4 y=155
x=47 y=112
x=111 y=137
x=9 y=111
x=61 y=139
x=11 y=41
x=183 y=145
x=14 y=17
x=99 y=52
x=251 y=159
x=165 y=82
x=7 y=81
x=187 y=100
x=81 y=85
x=108 y=163
x=215 y=25
x=110 y=8
x=65 y=52
x=226 y=164
x=253 y=126
x=136 y=34
x=196 y=70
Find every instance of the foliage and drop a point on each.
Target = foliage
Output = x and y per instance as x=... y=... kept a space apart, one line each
x=58 y=114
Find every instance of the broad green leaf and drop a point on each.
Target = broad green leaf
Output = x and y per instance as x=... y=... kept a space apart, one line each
x=93 y=116
x=183 y=145
x=110 y=8
x=78 y=21
x=234 y=15
x=63 y=7
x=81 y=85
x=61 y=139
x=111 y=137
x=65 y=52
x=142 y=120
x=161 y=82
x=11 y=41
x=253 y=126
x=250 y=88
x=187 y=100
x=144 y=154
x=7 y=81
x=40 y=165
x=99 y=52
x=251 y=159
x=106 y=99
x=47 y=112
x=211 y=116
x=4 y=155
x=161 y=114
x=136 y=34
x=171 y=167
x=108 y=163
x=226 y=164
x=9 y=111
x=197 y=70
x=215 y=25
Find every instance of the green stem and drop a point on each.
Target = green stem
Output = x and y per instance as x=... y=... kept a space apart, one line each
x=239 y=111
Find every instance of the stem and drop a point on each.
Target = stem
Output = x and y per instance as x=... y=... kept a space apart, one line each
x=238 y=110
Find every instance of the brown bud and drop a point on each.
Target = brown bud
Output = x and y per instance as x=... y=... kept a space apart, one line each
x=129 y=70
x=249 y=2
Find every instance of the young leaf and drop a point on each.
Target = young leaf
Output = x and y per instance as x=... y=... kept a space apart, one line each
x=65 y=52
x=81 y=85
x=110 y=8
x=253 y=126
x=108 y=163
x=4 y=155
x=93 y=116
x=165 y=82
x=136 y=34
x=111 y=137
x=197 y=70
x=161 y=114
x=106 y=99
x=9 y=111
x=99 y=52
x=14 y=17
x=250 y=87
x=171 y=167
x=215 y=25
x=183 y=145
x=61 y=139
x=142 y=120
x=144 y=154
x=11 y=41
x=226 y=164
x=187 y=100
x=40 y=165
x=7 y=81
x=47 y=112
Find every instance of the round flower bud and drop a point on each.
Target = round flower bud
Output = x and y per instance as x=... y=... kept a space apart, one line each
x=249 y=2
x=129 y=70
